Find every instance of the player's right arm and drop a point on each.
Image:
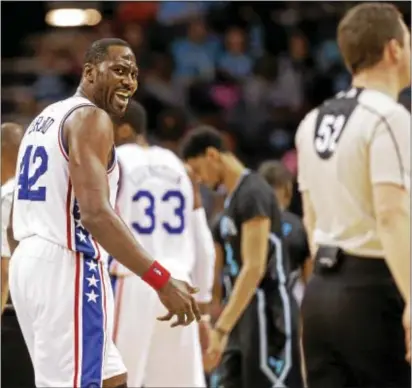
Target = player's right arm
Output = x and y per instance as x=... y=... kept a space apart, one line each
x=89 y=135
x=389 y=153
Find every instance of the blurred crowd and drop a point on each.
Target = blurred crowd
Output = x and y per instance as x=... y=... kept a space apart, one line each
x=250 y=69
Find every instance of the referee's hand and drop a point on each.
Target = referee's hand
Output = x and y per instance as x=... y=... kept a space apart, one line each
x=407 y=328
x=177 y=297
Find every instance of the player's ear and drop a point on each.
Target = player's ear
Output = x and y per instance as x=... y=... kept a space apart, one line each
x=212 y=153
x=89 y=72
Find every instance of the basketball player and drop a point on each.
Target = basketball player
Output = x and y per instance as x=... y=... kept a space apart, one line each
x=281 y=181
x=257 y=329
x=64 y=221
x=11 y=135
x=163 y=208
x=354 y=175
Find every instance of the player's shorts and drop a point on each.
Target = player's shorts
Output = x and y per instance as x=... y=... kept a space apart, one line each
x=263 y=349
x=352 y=327
x=155 y=354
x=64 y=305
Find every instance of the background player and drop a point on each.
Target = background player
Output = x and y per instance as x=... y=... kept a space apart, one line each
x=11 y=134
x=281 y=181
x=354 y=175
x=257 y=329
x=64 y=221
x=164 y=211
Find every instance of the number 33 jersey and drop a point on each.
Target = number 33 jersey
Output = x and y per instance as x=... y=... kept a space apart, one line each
x=44 y=200
x=155 y=200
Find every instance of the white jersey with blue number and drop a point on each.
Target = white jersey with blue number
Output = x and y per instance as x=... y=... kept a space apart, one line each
x=44 y=201
x=156 y=202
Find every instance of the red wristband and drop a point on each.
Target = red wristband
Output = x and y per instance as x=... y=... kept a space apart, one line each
x=156 y=276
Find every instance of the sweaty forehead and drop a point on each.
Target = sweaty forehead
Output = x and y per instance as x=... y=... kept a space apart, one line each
x=121 y=53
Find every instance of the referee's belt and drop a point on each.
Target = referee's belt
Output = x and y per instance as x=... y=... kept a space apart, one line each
x=329 y=258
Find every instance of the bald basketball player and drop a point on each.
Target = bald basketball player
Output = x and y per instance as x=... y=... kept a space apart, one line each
x=354 y=176
x=11 y=135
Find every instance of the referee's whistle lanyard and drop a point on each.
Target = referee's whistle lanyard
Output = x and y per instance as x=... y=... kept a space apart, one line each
x=245 y=172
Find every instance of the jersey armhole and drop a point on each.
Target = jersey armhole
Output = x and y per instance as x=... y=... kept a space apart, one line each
x=62 y=142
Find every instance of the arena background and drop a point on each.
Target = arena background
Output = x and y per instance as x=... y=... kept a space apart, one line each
x=251 y=69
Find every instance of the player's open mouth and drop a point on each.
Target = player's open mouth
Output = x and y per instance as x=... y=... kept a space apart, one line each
x=122 y=97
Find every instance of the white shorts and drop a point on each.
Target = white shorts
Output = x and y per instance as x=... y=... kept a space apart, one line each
x=64 y=305
x=155 y=354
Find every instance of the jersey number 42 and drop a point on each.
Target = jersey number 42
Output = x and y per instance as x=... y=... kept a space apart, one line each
x=175 y=198
x=33 y=165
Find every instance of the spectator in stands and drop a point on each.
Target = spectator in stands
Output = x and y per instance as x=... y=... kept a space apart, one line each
x=141 y=12
x=256 y=30
x=134 y=35
x=329 y=61
x=196 y=54
x=295 y=70
x=235 y=60
x=178 y=12
x=160 y=84
x=49 y=85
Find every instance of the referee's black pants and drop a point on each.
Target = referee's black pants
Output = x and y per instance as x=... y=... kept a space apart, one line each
x=352 y=327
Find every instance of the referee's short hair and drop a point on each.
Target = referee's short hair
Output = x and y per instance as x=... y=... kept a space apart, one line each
x=136 y=117
x=364 y=32
x=199 y=140
x=275 y=173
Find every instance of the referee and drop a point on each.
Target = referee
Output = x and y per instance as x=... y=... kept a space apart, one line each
x=354 y=176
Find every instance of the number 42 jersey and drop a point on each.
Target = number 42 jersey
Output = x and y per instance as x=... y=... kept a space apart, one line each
x=44 y=201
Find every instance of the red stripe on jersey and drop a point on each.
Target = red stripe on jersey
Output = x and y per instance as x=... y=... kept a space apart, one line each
x=62 y=150
x=96 y=246
x=69 y=216
x=118 y=306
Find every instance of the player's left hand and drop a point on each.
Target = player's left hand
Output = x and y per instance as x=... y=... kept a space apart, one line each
x=217 y=345
x=407 y=328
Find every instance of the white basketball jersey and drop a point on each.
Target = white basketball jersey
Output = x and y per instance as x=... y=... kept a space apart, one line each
x=6 y=201
x=156 y=202
x=44 y=201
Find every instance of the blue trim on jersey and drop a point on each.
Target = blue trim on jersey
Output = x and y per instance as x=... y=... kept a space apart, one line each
x=82 y=238
x=286 y=228
x=276 y=369
x=93 y=325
